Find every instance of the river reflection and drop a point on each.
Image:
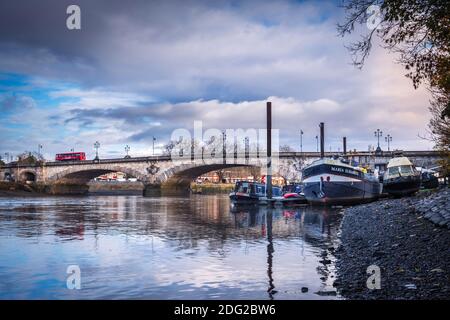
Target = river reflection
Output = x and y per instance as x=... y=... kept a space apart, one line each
x=196 y=247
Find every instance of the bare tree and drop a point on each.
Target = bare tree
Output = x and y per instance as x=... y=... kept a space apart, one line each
x=439 y=130
x=168 y=147
x=419 y=32
x=31 y=158
x=220 y=174
x=290 y=170
x=286 y=148
x=255 y=172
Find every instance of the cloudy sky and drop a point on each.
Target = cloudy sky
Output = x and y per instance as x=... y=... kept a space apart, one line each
x=140 y=69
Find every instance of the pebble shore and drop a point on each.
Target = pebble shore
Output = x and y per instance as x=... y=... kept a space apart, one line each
x=407 y=238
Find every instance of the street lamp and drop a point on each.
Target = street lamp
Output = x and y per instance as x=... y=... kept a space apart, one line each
x=202 y=145
x=40 y=150
x=127 y=149
x=96 y=146
x=317 y=143
x=388 y=139
x=224 y=145
x=378 y=134
x=246 y=147
x=301 y=141
x=154 y=139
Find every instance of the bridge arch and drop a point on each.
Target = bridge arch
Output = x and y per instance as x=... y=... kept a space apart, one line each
x=84 y=175
x=27 y=175
x=179 y=178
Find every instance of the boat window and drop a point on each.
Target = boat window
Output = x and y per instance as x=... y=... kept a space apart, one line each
x=243 y=187
x=393 y=171
x=406 y=169
x=276 y=192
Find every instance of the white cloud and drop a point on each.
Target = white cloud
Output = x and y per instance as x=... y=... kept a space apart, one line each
x=158 y=66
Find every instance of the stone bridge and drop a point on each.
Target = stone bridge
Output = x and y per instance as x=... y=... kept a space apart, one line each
x=162 y=173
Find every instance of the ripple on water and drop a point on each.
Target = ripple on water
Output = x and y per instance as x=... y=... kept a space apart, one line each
x=163 y=248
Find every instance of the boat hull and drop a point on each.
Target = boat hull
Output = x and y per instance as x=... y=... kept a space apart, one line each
x=342 y=192
x=402 y=186
x=335 y=183
x=243 y=198
x=293 y=201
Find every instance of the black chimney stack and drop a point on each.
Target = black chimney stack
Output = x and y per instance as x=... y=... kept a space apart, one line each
x=269 y=149
x=322 y=140
x=344 y=142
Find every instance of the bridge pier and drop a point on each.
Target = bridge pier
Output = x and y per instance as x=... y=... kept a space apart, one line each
x=166 y=189
x=152 y=190
x=67 y=188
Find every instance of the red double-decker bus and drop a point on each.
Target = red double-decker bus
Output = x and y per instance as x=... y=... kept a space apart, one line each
x=72 y=156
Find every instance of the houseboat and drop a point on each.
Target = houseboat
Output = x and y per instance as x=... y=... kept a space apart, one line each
x=333 y=181
x=246 y=192
x=401 y=177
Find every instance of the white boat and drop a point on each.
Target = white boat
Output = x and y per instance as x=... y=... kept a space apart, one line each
x=401 y=177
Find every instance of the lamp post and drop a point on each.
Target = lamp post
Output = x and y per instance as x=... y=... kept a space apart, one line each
x=317 y=143
x=96 y=146
x=301 y=141
x=153 y=141
x=40 y=150
x=224 y=146
x=388 y=139
x=378 y=134
x=127 y=149
x=246 y=148
x=202 y=144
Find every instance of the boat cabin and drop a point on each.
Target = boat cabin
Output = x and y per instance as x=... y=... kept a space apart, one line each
x=400 y=166
x=255 y=188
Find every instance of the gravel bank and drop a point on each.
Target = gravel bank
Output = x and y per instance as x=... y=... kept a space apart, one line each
x=412 y=252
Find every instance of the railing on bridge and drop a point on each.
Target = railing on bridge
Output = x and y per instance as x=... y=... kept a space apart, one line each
x=261 y=155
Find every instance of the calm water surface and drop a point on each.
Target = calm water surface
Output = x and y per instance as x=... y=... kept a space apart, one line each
x=198 y=247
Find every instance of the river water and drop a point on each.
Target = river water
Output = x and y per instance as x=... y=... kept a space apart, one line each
x=197 y=247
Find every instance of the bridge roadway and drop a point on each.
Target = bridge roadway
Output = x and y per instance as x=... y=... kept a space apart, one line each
x=162 y=173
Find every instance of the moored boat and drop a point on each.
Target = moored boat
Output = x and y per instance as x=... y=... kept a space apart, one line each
x=429 y=180
x=292 y=195
x=401 y=178
x=246 y=192
x=332 y=181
